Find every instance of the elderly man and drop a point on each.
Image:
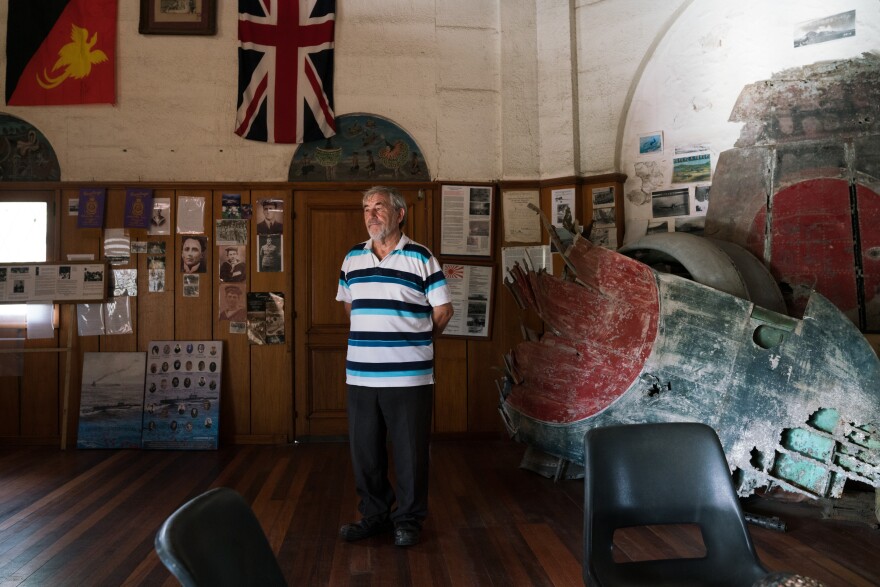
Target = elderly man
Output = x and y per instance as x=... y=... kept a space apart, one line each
x=397 y=300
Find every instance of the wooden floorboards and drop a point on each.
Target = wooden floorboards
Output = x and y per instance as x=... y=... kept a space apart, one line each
x=89 y=517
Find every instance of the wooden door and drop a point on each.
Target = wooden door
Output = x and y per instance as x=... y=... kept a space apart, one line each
x=328 y=224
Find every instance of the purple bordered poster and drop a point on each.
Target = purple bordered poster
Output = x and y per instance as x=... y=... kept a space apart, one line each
x=91 y=208
x=138 y=207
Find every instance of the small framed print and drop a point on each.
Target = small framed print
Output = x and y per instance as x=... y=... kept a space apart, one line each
x=178 y=17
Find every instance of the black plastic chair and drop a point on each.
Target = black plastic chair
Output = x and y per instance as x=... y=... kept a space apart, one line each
x=655 y=474
x=216 y=540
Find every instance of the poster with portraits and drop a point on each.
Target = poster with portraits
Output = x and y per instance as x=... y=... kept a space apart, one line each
x=182 y=395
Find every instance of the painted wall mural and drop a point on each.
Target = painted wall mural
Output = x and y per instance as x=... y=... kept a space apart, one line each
x=25 y=154
x=365 y=148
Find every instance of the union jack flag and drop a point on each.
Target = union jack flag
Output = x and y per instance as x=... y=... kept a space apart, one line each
x=285 y=70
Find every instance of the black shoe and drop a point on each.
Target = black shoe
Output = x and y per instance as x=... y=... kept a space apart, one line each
x=406 y=534
x=365 y=528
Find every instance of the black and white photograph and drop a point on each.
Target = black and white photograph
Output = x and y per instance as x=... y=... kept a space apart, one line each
x=665 y=203
x=269 y=255
x=270 y=216
x=822 y=30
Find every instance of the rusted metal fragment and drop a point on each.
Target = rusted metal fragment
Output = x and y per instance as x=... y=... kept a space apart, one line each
x=719 y=264
x=754 y=375
x=826 y=99
x=868 y=204
x=811 y=245
x=605 y=326
x=806 y=160
x=742 y=182
x=866 y=161
x=813 y=142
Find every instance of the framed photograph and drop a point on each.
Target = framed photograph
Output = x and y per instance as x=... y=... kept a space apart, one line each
x=178 y=17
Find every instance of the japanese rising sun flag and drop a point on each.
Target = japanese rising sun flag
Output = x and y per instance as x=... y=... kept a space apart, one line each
x=285 y=70
x=61 y=52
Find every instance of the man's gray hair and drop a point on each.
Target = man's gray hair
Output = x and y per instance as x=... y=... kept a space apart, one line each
x=397 y=201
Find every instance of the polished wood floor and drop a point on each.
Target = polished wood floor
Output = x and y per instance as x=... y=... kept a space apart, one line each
x=89 y=517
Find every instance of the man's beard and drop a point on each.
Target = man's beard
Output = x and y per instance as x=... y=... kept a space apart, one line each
x=378 y=232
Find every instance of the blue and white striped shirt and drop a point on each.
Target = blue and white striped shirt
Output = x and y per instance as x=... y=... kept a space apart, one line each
x=390 y=343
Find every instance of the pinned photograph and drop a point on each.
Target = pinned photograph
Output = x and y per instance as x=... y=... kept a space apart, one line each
x=159 y=220
x=822 y=30
x=692 y=168
x=192 y=254
x=156 y=281
x=232 y=263
x=232 y=303
x=270 y=216
x=269 y=253
x=230 y=206
x=665 y=203
x=651 y=143
x=231 y=232
x=190 y=286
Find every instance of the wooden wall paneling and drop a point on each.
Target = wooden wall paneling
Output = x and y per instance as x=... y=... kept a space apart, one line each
x=192 y=315
x=156 y=309
x=300 y=314
x=10 y=401
x=484 y=357
x=236 y=405
x=451 y=384
x=114 y=218
x=271 y=381
x=74 y=241
x=40 y=391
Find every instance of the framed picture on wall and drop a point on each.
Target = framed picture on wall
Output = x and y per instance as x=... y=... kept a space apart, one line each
x=178 y=17
x=471 y=287
x=466 y=220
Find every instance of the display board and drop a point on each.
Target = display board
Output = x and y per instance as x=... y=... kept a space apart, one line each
x=112 y=400
x=182 y=395
x=53 y=282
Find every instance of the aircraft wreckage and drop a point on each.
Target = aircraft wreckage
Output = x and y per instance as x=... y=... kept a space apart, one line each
x=795 y=401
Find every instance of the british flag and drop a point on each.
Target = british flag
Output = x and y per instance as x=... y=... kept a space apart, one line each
x=285 y=70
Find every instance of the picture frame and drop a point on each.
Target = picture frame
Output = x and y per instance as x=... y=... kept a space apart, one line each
x=472 y=287
x=178 y=17
x=466 y=220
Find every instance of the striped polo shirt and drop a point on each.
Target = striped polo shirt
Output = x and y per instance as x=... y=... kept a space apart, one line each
x=390 y=343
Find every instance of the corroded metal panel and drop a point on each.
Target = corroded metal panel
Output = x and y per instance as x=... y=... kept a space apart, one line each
x=806 y=160
x=713 y=361
x=869 y=238
x=817 y=101
x=811 y=245
x=742 y=180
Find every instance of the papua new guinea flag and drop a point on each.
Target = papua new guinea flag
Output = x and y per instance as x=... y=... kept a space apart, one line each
x=61 y=52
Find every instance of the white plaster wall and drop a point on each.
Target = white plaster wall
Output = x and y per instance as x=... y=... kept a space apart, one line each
x=520 y=152
x=431 y=66
x=691 y=82
x=557 y=92
x=613 y=37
